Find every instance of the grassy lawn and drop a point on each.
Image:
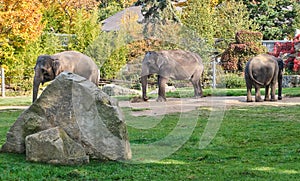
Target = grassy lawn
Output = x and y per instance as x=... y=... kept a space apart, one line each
x=253 y=143
x=180 y=92
x=15 y=101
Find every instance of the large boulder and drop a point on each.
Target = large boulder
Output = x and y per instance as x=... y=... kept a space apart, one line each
x=62 y=149
x=86 y=114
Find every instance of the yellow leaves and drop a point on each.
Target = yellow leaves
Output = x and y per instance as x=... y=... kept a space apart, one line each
x=130 y=24
x=20 y=21
x=127 y=3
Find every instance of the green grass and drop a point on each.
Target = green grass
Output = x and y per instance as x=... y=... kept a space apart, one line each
x=188 y=92
x=253 y=143
x=179 y=93
x=15 y=101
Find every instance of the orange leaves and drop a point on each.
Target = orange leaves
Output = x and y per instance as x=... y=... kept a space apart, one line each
x=20 y=21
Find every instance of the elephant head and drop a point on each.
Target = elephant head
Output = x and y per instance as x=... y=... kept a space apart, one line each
x=151 y=64
x=45 y=70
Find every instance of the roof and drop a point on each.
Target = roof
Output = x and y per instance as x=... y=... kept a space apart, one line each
x=113 y=23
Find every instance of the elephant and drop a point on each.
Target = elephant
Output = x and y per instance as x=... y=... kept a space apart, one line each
x=49 y=66
x=171 y=64
x=264 y=70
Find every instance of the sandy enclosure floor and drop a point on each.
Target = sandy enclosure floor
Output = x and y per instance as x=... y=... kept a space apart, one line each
x=173 y=105
x=153 y=108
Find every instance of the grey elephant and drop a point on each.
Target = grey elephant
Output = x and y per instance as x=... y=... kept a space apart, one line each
x=49 y=66
x=264 y=70
x=171 y=64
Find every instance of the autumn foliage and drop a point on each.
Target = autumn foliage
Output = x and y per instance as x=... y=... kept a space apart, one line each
x=20 y=24
x=247 y=44
x=29 y=28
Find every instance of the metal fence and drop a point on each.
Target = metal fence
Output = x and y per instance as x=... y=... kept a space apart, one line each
x=270 y=44
x=2 y=74
x=5 y=89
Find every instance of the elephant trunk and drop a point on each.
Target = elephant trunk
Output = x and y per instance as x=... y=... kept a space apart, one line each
x=36 y=84
x=144 y=80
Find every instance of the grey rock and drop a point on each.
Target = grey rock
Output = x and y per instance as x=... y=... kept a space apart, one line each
x=291 y=81
x=54 y=146
x=116 y=90
x=88 y=116
x=168 y=89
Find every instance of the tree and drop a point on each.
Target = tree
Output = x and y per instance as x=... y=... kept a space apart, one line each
x=122 y=3
x=276 y=18
x=85 y=29
x=78 y=19
x=199 y=16
x=157 y=13
x=232 y=16
x=59 y=15
x=22 y=38
x=20 y=24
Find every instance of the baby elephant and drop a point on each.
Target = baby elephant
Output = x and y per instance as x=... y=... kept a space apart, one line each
x=264 y=71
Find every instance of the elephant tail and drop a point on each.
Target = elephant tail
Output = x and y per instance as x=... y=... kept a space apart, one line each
x=251 y=75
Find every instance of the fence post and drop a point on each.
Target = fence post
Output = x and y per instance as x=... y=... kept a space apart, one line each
x=214 y=74
x=2 y=82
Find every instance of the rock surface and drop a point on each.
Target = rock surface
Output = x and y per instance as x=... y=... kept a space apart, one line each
x=115 y=90
x=291 y=81
x=63 y=149
x=85 y=113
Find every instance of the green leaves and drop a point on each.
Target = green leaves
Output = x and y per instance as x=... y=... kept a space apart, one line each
x=277 y=19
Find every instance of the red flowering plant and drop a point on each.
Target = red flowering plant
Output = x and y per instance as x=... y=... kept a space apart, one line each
x=291 y=51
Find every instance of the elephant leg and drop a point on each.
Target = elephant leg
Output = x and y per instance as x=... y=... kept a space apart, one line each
x=280 y=85
x=267 y=93
x=257 y=94
x=144 y=80
x=249 y=96
x=273 y=90
x=161 y=89
x=197 y=87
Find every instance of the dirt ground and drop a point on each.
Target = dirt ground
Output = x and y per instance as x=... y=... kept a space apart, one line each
x=153 y=108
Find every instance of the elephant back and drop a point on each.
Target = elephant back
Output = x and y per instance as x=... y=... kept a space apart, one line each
x=261 y=69
x=78 y=63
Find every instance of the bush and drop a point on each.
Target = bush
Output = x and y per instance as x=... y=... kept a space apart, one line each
x=248 y=36
x=247 y=44
x=231 y=80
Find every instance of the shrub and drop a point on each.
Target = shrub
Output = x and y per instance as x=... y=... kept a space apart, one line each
x=231 y=80
x=247 y=44
x=248 y=36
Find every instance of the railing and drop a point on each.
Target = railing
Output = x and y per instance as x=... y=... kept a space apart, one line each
x=270 y=43
x=2 y=82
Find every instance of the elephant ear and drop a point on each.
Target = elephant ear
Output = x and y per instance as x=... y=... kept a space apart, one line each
x=159 y=59
x=56 y=66
x=41 y=60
